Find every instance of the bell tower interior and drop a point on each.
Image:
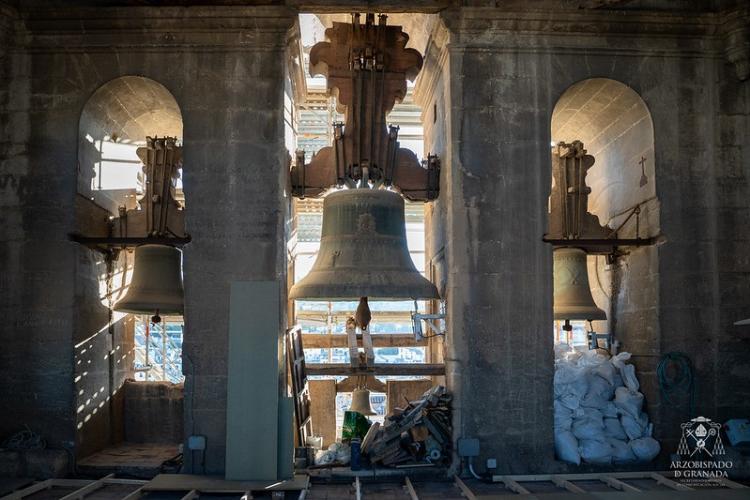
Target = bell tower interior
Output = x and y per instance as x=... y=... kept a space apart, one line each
x=328 y=249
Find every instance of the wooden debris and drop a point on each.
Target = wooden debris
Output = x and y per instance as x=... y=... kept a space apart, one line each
x=411 y=434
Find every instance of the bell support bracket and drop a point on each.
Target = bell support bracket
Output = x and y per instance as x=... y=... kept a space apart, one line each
x=367 y=67
x=160 y=219
x=570 y=224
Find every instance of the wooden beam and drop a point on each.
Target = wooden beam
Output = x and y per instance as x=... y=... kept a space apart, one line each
x=669 y=483
x=135 y=495
x=410 y=488
x=615 y=483
x=89 y=488
x=337 y=340
x=30 y=490
x=382 y=369
x=730 y=484
x=465 y=491
x=357 y=488
x=564 y=483
x=512 y=485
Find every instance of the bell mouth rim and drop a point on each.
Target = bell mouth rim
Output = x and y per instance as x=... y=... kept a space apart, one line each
x=362 y=192
x=601 y=316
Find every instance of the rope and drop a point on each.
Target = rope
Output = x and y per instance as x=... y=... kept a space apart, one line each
x=681 y=380
x=25 y=440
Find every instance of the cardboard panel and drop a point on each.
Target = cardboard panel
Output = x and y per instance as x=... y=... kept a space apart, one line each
x=253 y=381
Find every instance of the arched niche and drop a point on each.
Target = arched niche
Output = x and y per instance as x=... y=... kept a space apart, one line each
x=114 y=123
x=616 y=128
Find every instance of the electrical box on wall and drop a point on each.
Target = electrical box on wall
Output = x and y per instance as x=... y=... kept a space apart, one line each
x=196 y=443
x=468 y=447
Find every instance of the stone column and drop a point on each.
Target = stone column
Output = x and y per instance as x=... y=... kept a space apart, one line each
x=237 y=198
x=491 y=130
x=37 y=260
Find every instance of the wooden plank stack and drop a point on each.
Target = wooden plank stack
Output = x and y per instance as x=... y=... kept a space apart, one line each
x=420 y=433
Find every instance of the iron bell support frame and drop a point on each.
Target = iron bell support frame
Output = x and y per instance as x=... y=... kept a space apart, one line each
x=363 y=250
x=575 y=233
x=153 y=230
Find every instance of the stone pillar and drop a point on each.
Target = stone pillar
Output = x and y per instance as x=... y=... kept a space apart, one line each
x=225 y=67
x=490 y=83
x=492 y=132
x=237 y=200
x=38 y=261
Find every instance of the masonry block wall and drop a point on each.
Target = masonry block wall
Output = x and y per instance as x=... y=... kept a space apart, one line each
x=502 y=73
x=225 y=68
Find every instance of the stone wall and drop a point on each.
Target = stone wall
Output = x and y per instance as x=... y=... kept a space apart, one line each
x=502 y=73
x=38 y=262
x=152 y=412
x=225 y=67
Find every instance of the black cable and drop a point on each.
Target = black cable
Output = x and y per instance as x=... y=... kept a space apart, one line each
x=683 y=379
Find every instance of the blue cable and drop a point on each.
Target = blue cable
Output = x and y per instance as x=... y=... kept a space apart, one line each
x=682 y=381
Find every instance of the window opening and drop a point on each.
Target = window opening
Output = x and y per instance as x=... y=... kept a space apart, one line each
x=158 y=349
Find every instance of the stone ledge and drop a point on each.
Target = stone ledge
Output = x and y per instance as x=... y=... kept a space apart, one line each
x=153 y=28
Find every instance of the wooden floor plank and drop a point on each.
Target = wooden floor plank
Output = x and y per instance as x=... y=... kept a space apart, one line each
x=615 y=483
x=465 y=490
x=214 y=484
x=410 y=488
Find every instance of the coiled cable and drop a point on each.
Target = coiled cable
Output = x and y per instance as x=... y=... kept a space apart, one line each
x=675 y=375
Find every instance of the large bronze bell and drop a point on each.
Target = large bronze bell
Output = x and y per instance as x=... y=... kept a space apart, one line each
x=573 y=299
x=363 y=251
x=361 y=402
x=156 y=286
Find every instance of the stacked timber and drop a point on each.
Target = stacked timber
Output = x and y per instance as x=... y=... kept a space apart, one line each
x=420 y=433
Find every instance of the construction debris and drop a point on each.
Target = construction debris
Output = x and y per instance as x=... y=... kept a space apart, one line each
x=417 y=434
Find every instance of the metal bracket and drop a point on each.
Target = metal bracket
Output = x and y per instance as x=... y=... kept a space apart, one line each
x=594 y=338
x=417 y=318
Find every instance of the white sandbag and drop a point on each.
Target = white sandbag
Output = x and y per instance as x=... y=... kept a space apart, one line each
x=341 y=451
x=613 y=429
x=592 y=358
x=570 y=379
x=621 y=451
x=599 y=392
x=645 y=449
x=618 y=361
x=595 y=451
x=629 y=401
x=606 y=371
x=643 y=420
x=590 y=426
x=609 y=410
x=561 y=349
x=325 y=457
x=570 y=401
x=563 y=417
x=566 y=447
x=632 y=427
x=628 y=377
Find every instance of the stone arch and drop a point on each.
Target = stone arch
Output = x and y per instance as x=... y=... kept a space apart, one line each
x=616 y=128
x=115 y=121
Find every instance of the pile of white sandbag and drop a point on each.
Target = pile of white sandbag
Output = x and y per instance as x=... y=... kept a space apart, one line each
x=599 y=415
